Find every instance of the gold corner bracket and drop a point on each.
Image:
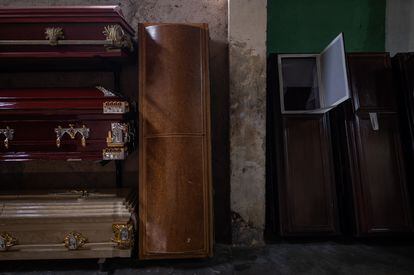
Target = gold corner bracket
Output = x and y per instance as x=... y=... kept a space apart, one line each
x=117 y=37
x=74 y=240
x=7 y=241
x=123 y=235
x=115 y=107
x=116 y=153
x=8 y=134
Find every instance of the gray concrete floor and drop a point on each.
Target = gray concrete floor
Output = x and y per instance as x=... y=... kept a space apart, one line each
x=309 y=258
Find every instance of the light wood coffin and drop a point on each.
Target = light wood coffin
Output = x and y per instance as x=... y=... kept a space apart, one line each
x=174 y=142
x=63 y=225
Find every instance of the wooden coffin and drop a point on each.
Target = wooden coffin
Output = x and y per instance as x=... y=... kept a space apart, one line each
x=310 y=87
x=63 y=225
x=403 y=67
x=377 y=166
x=174 y=142
x=63 y=124
x=64 y=32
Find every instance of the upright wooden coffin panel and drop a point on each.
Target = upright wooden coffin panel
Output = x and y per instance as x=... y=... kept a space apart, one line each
x=307 y=193
x=378 y=174
x=403 y=66
x=174 y=142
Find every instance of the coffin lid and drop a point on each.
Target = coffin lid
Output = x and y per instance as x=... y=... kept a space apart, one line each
x=68 y=205
x=332 y=77
x=60 y=14
x=55 y=98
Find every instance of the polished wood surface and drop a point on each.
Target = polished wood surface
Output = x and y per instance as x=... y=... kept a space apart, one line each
x=174 y=142
x=307 y=190
x=372 y=82
x=77 y=22
x=403 y=66
x=379 y=185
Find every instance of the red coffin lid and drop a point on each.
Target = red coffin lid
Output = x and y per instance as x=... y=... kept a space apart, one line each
x=60 y=14
x=55 y=98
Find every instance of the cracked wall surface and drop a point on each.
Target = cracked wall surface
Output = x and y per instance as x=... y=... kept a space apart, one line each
x=247 y=55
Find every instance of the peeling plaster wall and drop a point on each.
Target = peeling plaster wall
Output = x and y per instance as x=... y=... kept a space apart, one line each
x=247 y=49
x=75 y=175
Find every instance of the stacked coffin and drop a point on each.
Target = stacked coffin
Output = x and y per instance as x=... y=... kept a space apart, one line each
x=75 y=224
x=70 y=124
x=63 y=124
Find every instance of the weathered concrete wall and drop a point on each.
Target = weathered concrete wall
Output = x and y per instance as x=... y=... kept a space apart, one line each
x=247 y=49
x=399 y=32
x=73 y=175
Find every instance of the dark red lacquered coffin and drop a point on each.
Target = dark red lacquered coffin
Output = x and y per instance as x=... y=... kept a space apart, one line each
x=68 y=32
x=63 y=124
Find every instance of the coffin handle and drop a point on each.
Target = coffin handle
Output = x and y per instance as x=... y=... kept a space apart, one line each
x=7 y=241
x=8 y=134
x=374 y=121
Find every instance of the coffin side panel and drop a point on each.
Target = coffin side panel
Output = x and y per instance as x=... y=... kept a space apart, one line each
x=175 y=218
x=382 y=177
x=307 y=193
x=174 y=137
x=173 y=98
x=371 y=78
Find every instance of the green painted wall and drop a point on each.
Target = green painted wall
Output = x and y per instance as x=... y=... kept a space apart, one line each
x=307 y=26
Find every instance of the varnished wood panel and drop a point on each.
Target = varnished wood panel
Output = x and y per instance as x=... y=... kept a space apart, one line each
x=307 y=193
x=174 y=142
x=371 y=82
x=380 y=194
x=175 y=195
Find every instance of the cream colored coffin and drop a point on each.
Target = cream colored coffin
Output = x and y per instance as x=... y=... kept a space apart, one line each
x=63 y=225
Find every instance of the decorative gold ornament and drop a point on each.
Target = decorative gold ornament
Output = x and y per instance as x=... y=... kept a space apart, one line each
x=123 y=235
x=114 y=153
x=116 y=35
x=8 y=134
x=7 y=241
x=115 y=107
x=72 y=132
x=74 y=240
x=118 y=136
x=54 y=35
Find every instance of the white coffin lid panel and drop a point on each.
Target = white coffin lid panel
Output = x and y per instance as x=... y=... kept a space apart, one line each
x=313 y=83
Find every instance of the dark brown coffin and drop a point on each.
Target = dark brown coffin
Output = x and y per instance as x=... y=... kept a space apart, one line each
x=378 y=175
x=30 y=120
x=174 y=142
x=64 y=32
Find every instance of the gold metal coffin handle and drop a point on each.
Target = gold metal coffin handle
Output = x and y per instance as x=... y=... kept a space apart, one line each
x=6 y=241
x=8 y=134
x=72 y=132
x=118 y=136
x=123 y=235
x=74 y=240
x=115 y=39
x=53 y=35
